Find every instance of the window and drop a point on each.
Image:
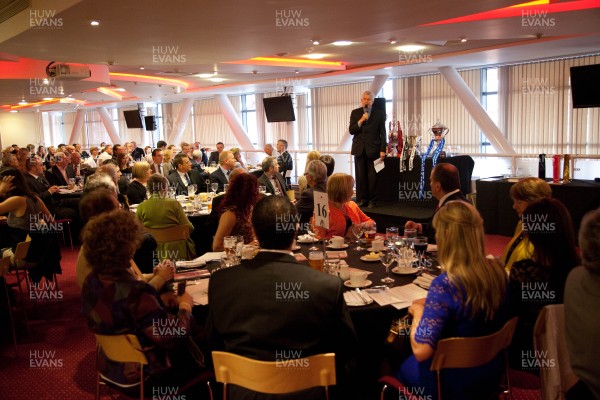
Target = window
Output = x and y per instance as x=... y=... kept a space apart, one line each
x=489 y=101
x=249 y=117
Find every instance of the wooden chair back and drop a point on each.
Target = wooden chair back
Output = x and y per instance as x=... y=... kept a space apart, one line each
x=170 y=234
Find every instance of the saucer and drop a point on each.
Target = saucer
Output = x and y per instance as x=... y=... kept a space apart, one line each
x=404 y=271
x=344 y=246
x=349 y=284
x=368 y=259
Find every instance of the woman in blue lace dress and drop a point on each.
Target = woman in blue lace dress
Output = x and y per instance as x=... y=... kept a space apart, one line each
x=468 y=299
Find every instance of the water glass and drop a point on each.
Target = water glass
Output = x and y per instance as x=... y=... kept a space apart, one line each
x=391 y=232
x=191 y=190
x=420 y=246
x=410 y=235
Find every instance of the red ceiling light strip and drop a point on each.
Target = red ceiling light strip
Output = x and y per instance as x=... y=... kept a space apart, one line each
x=519 y=9
x=148 y=79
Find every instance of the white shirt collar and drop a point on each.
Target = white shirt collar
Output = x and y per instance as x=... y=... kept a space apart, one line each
x=444 y=197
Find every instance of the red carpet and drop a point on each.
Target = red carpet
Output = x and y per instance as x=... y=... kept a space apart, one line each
x=58 y=360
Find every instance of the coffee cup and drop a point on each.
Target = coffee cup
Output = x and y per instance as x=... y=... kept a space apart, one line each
x=377 y=244
x=336 y=242
x=344 y=272
x=358 y=278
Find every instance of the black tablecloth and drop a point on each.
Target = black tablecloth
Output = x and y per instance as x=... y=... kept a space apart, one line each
x=396 y=186
x=495 y=205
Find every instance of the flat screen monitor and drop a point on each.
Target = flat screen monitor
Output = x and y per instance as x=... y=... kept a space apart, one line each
x=133 y=119
x=585 y=86
x=150 y=122
x=279 y=109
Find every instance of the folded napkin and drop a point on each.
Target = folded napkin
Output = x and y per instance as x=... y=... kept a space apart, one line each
x=337 y=254
x=424 y=281
x=354 y=299
x=306 y=239
x=197 y=262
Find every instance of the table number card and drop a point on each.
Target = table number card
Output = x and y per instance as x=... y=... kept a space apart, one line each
x=321 y=210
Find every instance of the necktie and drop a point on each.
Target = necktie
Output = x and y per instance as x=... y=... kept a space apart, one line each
x=187 y=178
x=160 y=169
x=277 y=186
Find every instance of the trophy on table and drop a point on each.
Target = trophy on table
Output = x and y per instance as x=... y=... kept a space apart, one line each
x=434 y=150
x=409 y=151
x=394 y=139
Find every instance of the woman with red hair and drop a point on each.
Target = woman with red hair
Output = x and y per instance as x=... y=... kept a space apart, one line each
x=236 y=210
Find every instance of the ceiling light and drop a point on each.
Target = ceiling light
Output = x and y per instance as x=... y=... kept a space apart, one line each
x=463 y=39
x=315 y=56
x=392 y=41
x=315 y=42
x=296 y=71
x=411 y=47
x=48 y=98
x=342 y=43
x=23 y=102
x=204 y=76
x=94 y=22
x=217 y=80
x=142 y=68
x=13 y=111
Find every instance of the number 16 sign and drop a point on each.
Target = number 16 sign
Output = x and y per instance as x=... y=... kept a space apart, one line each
x=321 y=210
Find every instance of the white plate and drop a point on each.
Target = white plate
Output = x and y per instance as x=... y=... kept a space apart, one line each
x=405 y=271
x=345 y=246
x=364 y=258
x=350 y=285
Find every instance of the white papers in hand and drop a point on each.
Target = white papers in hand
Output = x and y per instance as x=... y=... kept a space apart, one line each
x=378 y=164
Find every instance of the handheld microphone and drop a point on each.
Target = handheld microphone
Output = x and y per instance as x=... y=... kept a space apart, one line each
x=368 y=112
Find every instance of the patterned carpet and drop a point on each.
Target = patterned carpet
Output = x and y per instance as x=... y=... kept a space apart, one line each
x=57 y=360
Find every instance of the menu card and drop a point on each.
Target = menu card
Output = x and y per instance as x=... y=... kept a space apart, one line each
x=399 y=296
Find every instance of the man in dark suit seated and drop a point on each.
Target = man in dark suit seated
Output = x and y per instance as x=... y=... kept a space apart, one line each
x=183 y=176
x=288 y=310
x=216 y=155
x=271 y=179
x=221 y=174
x=316 y=177
x=445 y=186
x=61 y=172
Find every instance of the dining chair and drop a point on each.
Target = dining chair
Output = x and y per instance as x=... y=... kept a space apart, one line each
x=66 y=222
x=271 y=376
x=463 y=352
x=170 y=236
x=119 y=348
x=549 y=342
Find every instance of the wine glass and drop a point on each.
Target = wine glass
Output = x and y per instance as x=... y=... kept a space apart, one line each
x=410 y=235
x=391 y=232
x=387 y=258
x=213 y=187
x=358 y=230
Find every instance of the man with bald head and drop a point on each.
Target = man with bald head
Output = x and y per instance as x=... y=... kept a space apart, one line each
x=445 y=186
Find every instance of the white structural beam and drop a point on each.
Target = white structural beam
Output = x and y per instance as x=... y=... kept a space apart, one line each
x=477 y=112
x=376 y=85
x=108 y=124
x=234 y=122
x=182 y=118
x=77 y=125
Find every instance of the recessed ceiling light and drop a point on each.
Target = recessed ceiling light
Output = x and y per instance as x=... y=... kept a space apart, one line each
x=119 y=89
x=392 y=40
x=411 y=47
x=315 y=56
x=23 y=102
x=342 y=43
x=13 y=111
x=48 y=98
x=463 y=39
x=316 y=42
x=94 y=22
x=204 y=76
x=142 y=68
x=217 y=80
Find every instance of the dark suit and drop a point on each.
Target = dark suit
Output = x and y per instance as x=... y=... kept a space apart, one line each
x=166 y=169
x=266 y=182
x=368 y=141
x=181 y=187
x=214 y=156
x=271 y=307
x=285 y=164
x=306 y=204
x=219 y=177
x=136 y=192
x=428 y=229
x=56 y=178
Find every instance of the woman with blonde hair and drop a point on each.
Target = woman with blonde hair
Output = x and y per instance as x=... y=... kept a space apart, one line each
x=468 y=299
x=311 y=156
x=523 y=193
x=136 y=191
x=239 y=161
x=343 y=212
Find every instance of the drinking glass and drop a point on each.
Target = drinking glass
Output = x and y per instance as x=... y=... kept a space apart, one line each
x=387 y=258
x=316 y=260
x=391 y=232
x=420 y=246
x=358 y=230
x=332 y=263
x=230 y=245
x=410 y=235
x=213 y=187
x=262 y=189
x=213 y=164
x=191 y=190
x=370 y=233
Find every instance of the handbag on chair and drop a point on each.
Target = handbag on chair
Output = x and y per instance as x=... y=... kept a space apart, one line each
x=398 y=338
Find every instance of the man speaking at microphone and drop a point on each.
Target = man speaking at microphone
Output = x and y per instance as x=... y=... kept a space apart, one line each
x=367 y=125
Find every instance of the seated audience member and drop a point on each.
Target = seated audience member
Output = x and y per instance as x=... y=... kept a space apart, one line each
x=248 y=292
x=523 y=193
x=468 y=299
x=329 y=163
x=312 y=155
x=137 y=153
x=445 y=186
x=271 y=179
x=215 y=156
x=168 y=158
x=91 y=161
x=103 y=200
x=28 y=215
x=343 y=212
x=184 y=175
x=236 y=210
x=237 y=154
x=221 y=174
x=136 y=191
x=197 y=161
x=270 y=151
x=540 y=280
x=123 y=163
x=158 y=165
x=159 y=211
x=316 y=177
x=105 y=154
x=115 y=302
x=61 y=172
x=582 y=295
x=213 y=219
x=110 y=168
